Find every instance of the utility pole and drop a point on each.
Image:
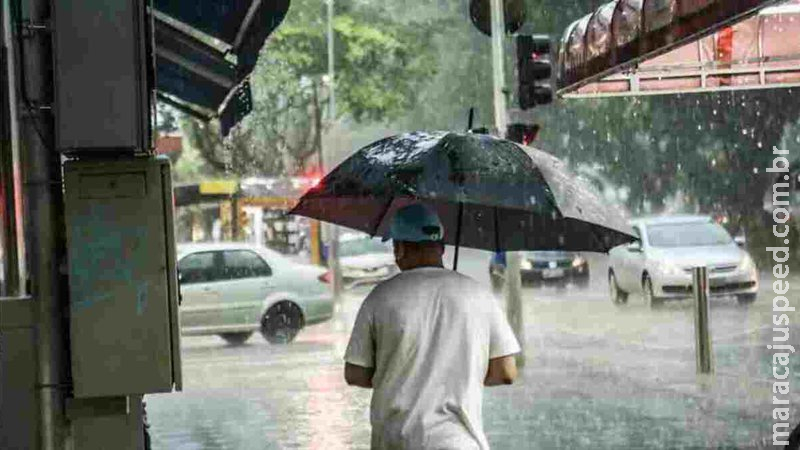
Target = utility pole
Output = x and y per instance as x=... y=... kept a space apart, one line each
x=15 y=270
x=513 y=283
x=44 y=210
x=333 y=238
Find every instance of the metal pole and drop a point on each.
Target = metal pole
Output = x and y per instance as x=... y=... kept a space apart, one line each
x=15 y=265
x=45 y=237
x=703 y=348
x=333 y=245
x=513 y=282
x=498 y=74
x=458 y=234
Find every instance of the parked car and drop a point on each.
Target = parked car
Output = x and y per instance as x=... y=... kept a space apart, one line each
x=559 y=268
x=236 y=289
x=364 y=260
x=659 y=265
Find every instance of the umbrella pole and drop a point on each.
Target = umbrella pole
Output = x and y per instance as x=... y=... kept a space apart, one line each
x=458 y=234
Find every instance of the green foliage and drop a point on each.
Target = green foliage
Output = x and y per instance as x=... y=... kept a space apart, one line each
x=166 y=119
x=709 y=150
x=236 y=155
x=380 y=65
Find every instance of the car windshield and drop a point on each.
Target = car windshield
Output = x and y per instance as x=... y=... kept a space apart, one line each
x=687 y=235
x=362 y=246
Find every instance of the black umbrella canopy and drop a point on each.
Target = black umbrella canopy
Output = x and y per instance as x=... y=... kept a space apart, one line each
x=504 y=196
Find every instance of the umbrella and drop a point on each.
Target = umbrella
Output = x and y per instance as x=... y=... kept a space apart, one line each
x=490 y=194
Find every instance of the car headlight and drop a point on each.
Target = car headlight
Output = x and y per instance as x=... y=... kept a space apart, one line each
x=670 y=269
x=526 y=264
x=747 y=264
x=578 y=261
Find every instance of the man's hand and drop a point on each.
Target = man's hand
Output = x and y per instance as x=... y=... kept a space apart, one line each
x=502 y=370
x=358 y=376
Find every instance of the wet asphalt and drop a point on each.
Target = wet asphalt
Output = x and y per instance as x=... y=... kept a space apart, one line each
x=596 y=376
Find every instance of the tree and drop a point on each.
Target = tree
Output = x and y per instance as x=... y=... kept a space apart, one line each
x=379 y=67
x=166 y=119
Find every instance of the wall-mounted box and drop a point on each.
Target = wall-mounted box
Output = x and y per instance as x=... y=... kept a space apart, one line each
x=104 y=75
x=124 y=330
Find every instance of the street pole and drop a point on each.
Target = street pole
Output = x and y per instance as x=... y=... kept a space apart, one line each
x=44 y=212
x=513 y=283
x=333 y=245
x=15 y=266
x=703 y=351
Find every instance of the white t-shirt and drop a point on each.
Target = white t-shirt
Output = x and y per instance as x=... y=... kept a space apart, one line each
x=429 y=333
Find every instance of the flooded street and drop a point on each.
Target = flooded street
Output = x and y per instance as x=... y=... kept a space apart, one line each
x=596 y=376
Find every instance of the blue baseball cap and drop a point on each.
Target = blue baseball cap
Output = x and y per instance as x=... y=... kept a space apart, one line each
x=415 y=223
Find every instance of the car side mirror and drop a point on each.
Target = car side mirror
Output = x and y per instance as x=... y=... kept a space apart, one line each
x=635 y=247
x=741 y=241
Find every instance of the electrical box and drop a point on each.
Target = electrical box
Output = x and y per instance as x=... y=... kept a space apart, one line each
x=104 y=75
x=124 y=330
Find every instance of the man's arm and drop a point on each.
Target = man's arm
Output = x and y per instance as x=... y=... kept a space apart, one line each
x=502 y=370
x=360 y=354
x=358 y=376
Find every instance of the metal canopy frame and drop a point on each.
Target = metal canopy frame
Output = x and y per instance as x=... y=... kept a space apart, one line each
x=205 y=51
x=652 y=47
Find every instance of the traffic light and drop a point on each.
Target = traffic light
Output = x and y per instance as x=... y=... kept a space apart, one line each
x=534 y=69
x=522 y=133
x=513 y=12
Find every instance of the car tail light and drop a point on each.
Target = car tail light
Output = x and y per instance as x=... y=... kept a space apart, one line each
x=326 y=277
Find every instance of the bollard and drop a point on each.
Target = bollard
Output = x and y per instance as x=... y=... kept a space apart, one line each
x=701 y=316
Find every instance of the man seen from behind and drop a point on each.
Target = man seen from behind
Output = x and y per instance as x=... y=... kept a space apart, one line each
x=426 y=342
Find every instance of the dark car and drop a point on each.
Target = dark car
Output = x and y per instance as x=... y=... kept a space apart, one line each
x=537 y=268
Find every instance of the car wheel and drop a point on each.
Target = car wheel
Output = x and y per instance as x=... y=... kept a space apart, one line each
x=650 y=300
x=746 y=299
x=281 y=323
x=235 y=338
x=618 y=296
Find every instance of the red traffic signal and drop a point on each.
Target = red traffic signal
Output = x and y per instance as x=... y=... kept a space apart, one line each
x=534 y=70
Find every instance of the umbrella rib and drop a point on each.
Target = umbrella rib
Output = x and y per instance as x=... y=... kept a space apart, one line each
x=458 y=233
x=382 y=215
x=496 y=232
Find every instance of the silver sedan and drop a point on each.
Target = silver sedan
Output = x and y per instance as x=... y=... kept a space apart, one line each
x=659 y=265
x=236 y=289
